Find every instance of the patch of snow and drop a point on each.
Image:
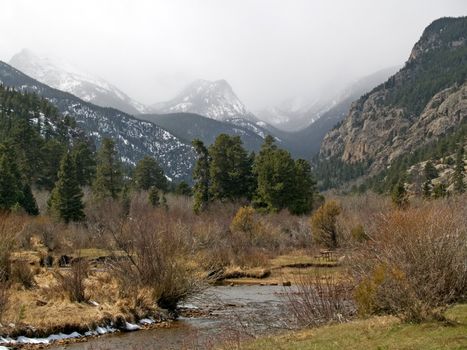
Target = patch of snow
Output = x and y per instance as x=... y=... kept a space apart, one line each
x=130 y=327
x=146 y=321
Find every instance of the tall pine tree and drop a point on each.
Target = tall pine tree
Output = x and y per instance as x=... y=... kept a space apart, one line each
x=201 y=177
x=230 y=169
x=147 y=174
x=459 y=185
x=275 y=171
x=85 y=160
x=109 y=179
x=66 y=199
x=28 y=202
x=10 y=182
x=305 y=188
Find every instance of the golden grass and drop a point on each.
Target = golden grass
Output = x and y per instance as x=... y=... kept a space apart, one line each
x=285 y=268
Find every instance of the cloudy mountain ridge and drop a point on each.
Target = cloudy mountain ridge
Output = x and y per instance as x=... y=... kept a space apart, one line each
x=134 y=138
x=65 y=77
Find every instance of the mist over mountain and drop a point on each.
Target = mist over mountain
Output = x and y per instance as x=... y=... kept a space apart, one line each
x=66 y=77
x=300 y=112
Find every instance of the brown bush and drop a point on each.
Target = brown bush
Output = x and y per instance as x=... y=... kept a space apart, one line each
x=316 y=299
x=414 y=262
x=72 y=282
x=4 y=294
x=157 y=250
x=323 y=224
x=23 y=274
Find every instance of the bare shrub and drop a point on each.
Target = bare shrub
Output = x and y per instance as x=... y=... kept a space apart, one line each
x=72 y=281
x=414 y=261
x=47 y=231
x=4 y=293
x=157 y=251
x=317 y=299
x=23 y=274
x=10 y=229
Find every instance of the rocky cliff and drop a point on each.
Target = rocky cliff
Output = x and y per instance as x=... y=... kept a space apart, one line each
x=425 y=99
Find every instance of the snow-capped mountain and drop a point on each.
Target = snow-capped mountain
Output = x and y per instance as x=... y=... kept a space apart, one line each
x=65 y=77
x=133 y=138
x=211 y=99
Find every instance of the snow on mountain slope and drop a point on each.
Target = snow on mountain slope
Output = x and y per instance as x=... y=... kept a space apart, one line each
x=133 y=138
x=65 y=77
x=212 y=99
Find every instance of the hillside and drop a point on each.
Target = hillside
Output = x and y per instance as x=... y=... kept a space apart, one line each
x=426 y=99
x=188 y=126
x=134 y=138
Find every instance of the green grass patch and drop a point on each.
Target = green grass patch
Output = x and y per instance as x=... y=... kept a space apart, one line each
x=381 y=333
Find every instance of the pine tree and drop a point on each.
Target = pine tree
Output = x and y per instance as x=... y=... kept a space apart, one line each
x=275 y=171
x=183 y=189
x=109 y=179
x=153 y=196
x=305 y=188
x=52 y=154
x=147 y=174
x=28 y=202
x=66 y=198
x=85 y=161
x=201 y=177
x=10 y=185
x=230 y=169
x=426 y=189
x=439 y=190
x=399 y=195
x=430 y=171
x=459 y=185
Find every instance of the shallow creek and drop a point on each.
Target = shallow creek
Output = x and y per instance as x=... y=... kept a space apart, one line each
x=221 y=313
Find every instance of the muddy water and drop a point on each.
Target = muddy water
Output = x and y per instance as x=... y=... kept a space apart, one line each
x=222 y=314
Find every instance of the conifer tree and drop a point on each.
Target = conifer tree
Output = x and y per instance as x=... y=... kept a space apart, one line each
x=230 y=169
x=66 y=198
x=28 y=202
x=147 y=174
x=430 y=171
x=10 y=185
x=201 y=177
x=85 y=162
x=275 y=171
x=305 y=188
x=426 y=189
x=183 y=189
x=439 y=190
x=459 y=185
x=399 y=195
x=109 y=179
x=153 y=196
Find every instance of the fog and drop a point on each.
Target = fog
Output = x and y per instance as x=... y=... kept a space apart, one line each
x=268 y=50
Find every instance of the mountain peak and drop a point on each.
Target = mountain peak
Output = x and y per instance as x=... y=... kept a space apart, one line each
x=62 y=75
x=212 y=99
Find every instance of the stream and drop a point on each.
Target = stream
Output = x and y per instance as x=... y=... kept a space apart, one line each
x=223 y=313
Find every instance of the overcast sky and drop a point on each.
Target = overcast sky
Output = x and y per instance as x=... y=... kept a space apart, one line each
x=268 y=50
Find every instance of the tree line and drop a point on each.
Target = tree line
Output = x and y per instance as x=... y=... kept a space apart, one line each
x=271 y=180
